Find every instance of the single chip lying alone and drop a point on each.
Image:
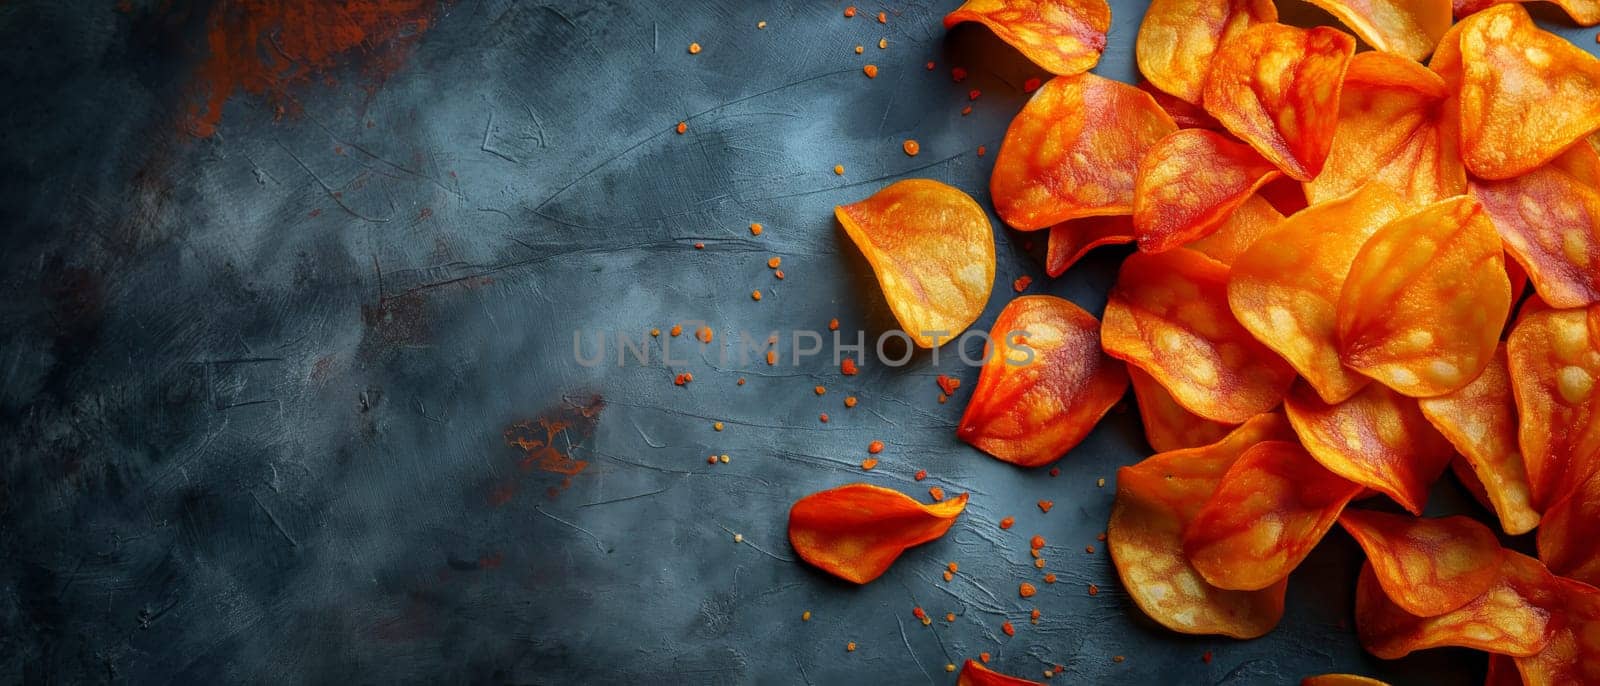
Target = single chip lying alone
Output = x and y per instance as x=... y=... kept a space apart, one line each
x=1178 y=38
x=1480 y=420
x=1549 y=221
x=1512 y=618
x=1071 y=240
x=932 y=249
x=1190 y=183
x=856 y=531
x=1554 y=364
x=1063 y=36
x=1376 y=438
x=1073 y=150
x=1167 y=426
x=1277 y=88
x=1045 y=382
x=1427 y=566
x=974 y=674
x=1567 y=541
x=1403 y=27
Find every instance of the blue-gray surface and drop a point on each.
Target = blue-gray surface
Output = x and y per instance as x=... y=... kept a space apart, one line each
x=256 y=388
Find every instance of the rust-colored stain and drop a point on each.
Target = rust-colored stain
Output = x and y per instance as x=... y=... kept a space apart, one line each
x=547 y=444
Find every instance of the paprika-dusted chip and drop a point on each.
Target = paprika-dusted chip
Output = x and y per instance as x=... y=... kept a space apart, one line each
x=1178 y=38
x=1422 y=307
x=932 y=249
x=1044 y=384
x=1167 y=426
x=1550 y=223
x=1572 y=656
x=1063 y=36
x=1253 y=219
x=1526 y=94
x=974 y=674
x=1567 y=541
x=1513 y=617
x=1277 y=87
x=1189 y=183
x=1285 y=288
x=1594 y=322
x=1072 y=151
x=1403 y=27
x=856 y=531
x=1480 y=420
x=1168 y=315
x=1156 y=499
x=1581 y=162
x=1554 y=365
x=1427 y=566
x=1394 y=129
x=1340 y=680
x=1071 y=240
x=1377 y=438
x=1271 y=508
x=1584 y=12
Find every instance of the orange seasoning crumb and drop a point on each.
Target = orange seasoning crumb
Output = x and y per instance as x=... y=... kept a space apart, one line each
x=1034 y=616
x=1034 y=552
x=1045 y=505
x=871 y=71
x=936 y=493
x=883 y=44
x=773 y=262
x=717 y=426
x=982 y=150
x=694 y=48
x=1088 y=549
x=1038 y=563
x=948 y=384
x=833 y=324
x=1094 y=589
x=655 y=333
x=704 y=334
x=1050 y=578
x=838 y=169
x=966 y=110
x=850 y=647
x=847 y=367
x=973 y=94
x=1021 y=284
x=1206 y=657
x=823 y=418
x=805 y=616
x=849 y=401
x=699 y=246
x=850 y=11
x=820 y=390
x=1117 y=658
x=860 y=49
x=1100 y=537
x=949 y=616
x=677 y=330
x=869 y=463
x=1010 y=630
x=772 y=357
x=682 y=127
x=918 y=613
x=741 y=381
x=711 y=460
x=874 y=447
x=958 y=74
x=1055 y=472
x=948 y=576
x=953 y=567
x=1007 y=522
x=1026 y=590
x=755 y=295
x=778 y=273
x=922 y=474
x=1031 y=85
x=761 y=24
x=1036 y=542
x=983 y=657
x=911 y=146
x=755 y=229
x=883 y=18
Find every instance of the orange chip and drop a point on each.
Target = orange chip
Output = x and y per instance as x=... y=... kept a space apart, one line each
x=1395 y=129
x=1581 y=162
x=1272 y=507
x=1422 y=307
x=1340 y=680
x=1572 y=656
x=1513 y=617
x=1567 y=541
x=1404 y=27
x=1554 y=364
x=1427 y=567
x=1285 y=288
x=1168 y=315
x=1189 y=183
x=856 y=531
x=1480 y=420
x=1178 y=39
x=1156 y=499
x=1038 y=399
x=1063 y=36
x=932 y=249
x=1071 y=240
x=1594 y=322
x=1377 y=438
x=1253 y=219
x=1276 y=87
x=1073 y=150
x=1167 y=426
x=1583 y=12
x=974 y=674
x=1526 y=94
x=1550 y=223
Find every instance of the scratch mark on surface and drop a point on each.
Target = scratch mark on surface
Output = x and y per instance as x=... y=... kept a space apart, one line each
x=627 y=497
x=745 y=540
x=598 y=544
x=274 y=519
x=907 y=642
x=337 y=198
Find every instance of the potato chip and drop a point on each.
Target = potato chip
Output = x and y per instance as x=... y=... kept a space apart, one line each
x=1189 y=183
x=1271 y=508
x=1572 y=656
x=1062 y=36
x=1427 y=566
x=1403 y=27
x=975 y=674
x=1526 y=94
x=1554 y=364
x=1277 y=87
x=1583 y=12
x=932 y=249
x=1550 y=223
x=1168 y=315
x=1394 y=130
x=1340 y=680
x=856 y=531
x=1044 y=384
x=1178 y=38
x=1581 y=162
x=1594 y=322
x=1155 y=500
x=1480 y=420
x=1513 y=617
x=1567 y=541
x=1285 y=288
x=1422 y=307
x=1253 y=219
x=1167 y=426
x=1377 y=438
x=1071 y=240
x=1073 y=150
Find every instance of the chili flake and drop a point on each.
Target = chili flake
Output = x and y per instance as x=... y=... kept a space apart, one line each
x=871 y=71
x=717 y=426
x=850 y=11
x=869 y=463
x=820 y=390
x=874 y=447
x=1036 y=542
x=677 y=329
x=911 y=147
x=1026 y=590
x=958 y=74
x=883 y=18
x=1010 y=630
x=1021 y=284
x=847 y=367
x=805 y=616
x=1007 y=522
x=705 y=334
x=849 y=401
x=920 y=475
x=838 y=169
x=755 y=295
x=1094 y=590
x=755 y=229
x=1031 y=85
x=694 y=48
x=1045 y=505
x=773 y=262
x=936 y=493
x=833 y=324
x=682 y=127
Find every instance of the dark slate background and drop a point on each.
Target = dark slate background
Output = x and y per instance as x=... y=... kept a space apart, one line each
x=255 y=388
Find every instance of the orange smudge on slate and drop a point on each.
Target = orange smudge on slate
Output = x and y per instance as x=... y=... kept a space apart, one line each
x=546 y=443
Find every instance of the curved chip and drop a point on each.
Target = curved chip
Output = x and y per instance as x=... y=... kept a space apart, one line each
x=1554 y=365
x=1377 y=438
x=1480 y=420
x=1063 y=36
x=1395 y=128
x=1550 y=223
x=1526 y=94
x=1253 y=219
x=1340 y=680
x=1156 y=498
x=1273 y=506
x=1422 y=307
x=1277 y=87
x=1427 y=566
x=1168 y=315
x=1513 y=617
x=1581 y=162
x=1178 y=38
x=1404 y=27
x=1285 y=288
x=1167 y=426
x=1572 y=656
x=1044 y=384
x=932 y=249
x=1072 y=151
x=1583 y=12
x=1567 y=541
x=974 y=674
x=1594 y=322
x=856 y=531
x=1189 y=183
x=1070 y=241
